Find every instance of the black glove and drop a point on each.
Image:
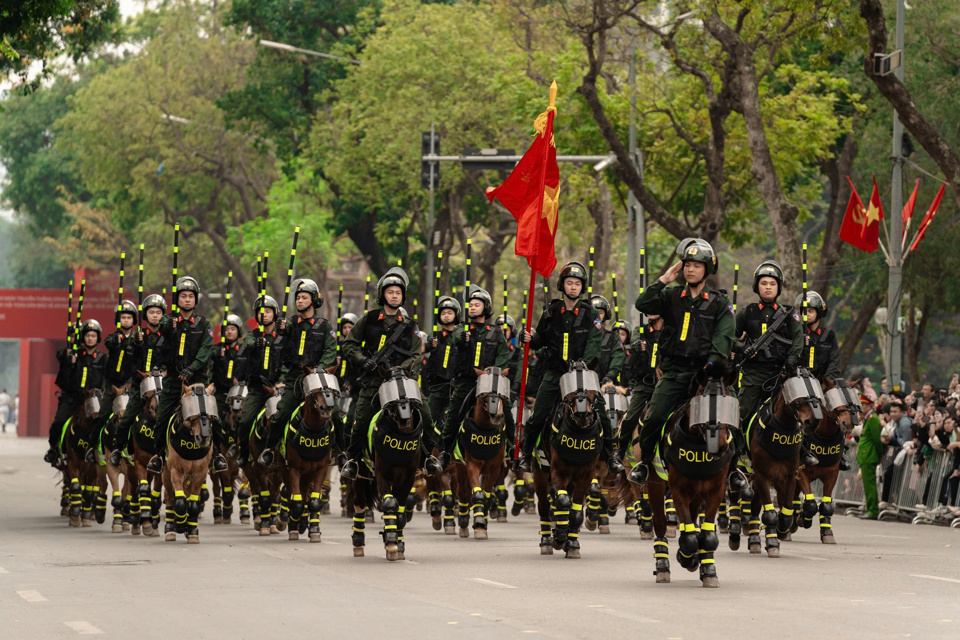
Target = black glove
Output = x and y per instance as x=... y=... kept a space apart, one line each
x=368 y=365
x=605 y=380
x=259 y=342
x=187 y=374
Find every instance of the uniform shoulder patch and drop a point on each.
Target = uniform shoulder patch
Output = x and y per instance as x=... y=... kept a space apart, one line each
x=730 y=307
x=598 y=324
x=796 y=316
x=333 y=333
x=210 y=331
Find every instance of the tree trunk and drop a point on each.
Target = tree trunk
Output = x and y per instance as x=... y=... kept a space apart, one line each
x=860 y=324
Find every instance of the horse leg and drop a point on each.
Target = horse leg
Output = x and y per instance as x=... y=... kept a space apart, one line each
x=594 y=495
x=707 y=540
x=603 y=524
x=472 y=473
x=89 y=490
x=433 y=501
x=280 y=512
x=723 y=520
x=170 y=514
x=462 y=484
x=76 y=492
x=391 y=511
x=99 y=480
x=688 y=545
x=143 y=497
x=562 y=504
x=543 y=507
x=265 y=504
x=244 y=498
x=405 y=484
x=767 y=516
x=661 y=547
x=116 y=500
x=325 y=488
x=520 y=491
x=571 y=547
x=194 y=507
x=217 y=499
x=735 y=521
x=501 y=492
x=786 y=500
x=316 y=504
x=155 y=501
x=359 y=516
x=826 y=508
x=750 y=512
x=228 y=494
x=294 y=506
x=671 y=513
x=131 y=502
x=646 y=517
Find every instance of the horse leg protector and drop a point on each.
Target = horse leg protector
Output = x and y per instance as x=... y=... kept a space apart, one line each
x=180 y=508
x=296 y=508
x=661 y=553
x=576 y=518
x=723 y=521
x=826 y=515
x=708 y=544
x=316 y=503
x=561 y=513
x=116 y=501
x=193 y=516
x=170 y=520
x=434 y=502
x=390 y=507
x=359 y=523
x=688 y=547
x=646 y=515
x=65 y=497
x=809 y=509
x=671 y=512
x=227 y=503
x=479 y=521
x=784 y=522
x=546 y=536
x=769 y=520
x=594 y=493
x=101 y=507
x=735 y=525
x=502 y=498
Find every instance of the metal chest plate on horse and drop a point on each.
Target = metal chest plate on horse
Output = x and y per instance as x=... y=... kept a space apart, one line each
x=481 y=444
x=577 y=449
x=828 y=450
x=689 y=456
x=781 y=441
x=311 y=445
x=392 y=446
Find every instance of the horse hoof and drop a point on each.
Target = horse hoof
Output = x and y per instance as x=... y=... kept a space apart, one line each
x=733 y=542
x=193 y=539
x=293 y=535
x=501 y=518
x=401 y=556
x=227 y=520
x=711 y=582
x=170 y=536
x=264 y=531
x=116 y=529
x=828 y=539
x=663 y=577
x=591 y=525
x=87 y=523
x=437 y=523
x=787 y=538
x=773 y=552
x=281 y=526
x=314 y=537
x=343 y=512
x=218 y=520
x=153 y=533
x=449 y=530
x=393 y=552
x=274 y=529
x=244 y=519
x=604 y=529
x=125 y=526
x=754 y=548
x=257 y=522
x=358 y=552
x=646 y=535
x=64 y=512
x=546 y=550
x=480 y=534
x=723 y=529
x=573 y=554
x=135 y=531
x=671 y=532
x=74 y=521
x=464 y=532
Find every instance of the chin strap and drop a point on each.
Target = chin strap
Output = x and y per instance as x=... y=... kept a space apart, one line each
x=569 y=297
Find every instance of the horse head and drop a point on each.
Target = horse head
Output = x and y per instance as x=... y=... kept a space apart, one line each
x=713 y=411
x=400 y=400
x=493 y=389
x=198 y=407
x=803 y=396
x=321 y=395
x=120 y=400
x=615 y=399
x=579 y=389
x=150 y=386
x=842 y=406
x=91 y=404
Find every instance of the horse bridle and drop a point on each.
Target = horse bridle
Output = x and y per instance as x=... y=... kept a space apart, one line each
x=494 y=386
x=842 y=398
x=803 y=389
x=585 y=381
x=199 y=405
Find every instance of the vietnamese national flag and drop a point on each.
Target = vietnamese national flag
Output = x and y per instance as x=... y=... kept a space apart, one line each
x=531 y=193
x=870 y=232
x=908 y=209
x=851 y=228
x=927 y=219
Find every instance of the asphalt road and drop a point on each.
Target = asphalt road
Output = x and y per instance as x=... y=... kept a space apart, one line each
x=882 y=580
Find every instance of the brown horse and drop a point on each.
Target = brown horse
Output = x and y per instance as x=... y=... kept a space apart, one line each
x=775 y=436
x=78 y=438
x=696 y=455
x=440 y=489
x=189 y=450
x=141 y=436
x=572 y=447
x=126 y=512
x=481 y=444
x=395 y=442
x=264 y=480
x=601 y=497
x=305 y=451
x=224 y=485
x=841 y=414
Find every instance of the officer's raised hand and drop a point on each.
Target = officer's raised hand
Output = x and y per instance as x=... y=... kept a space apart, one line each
x=433 y=343
x=368 y=365
x=526 y=336
x=672 y=273
x=259 y=342
x=186 y=374
x=139 y=336
x=282 y=323
x=173 y=325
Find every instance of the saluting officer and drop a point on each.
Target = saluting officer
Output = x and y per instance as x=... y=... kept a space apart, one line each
x=121 y=363
x=697 y=333
x=569 y=330
x=441 y=365
x=479 y=345
x=311 y=342
x=363 y=346
x=79 y=371
x=264 y=354
x=149 y=347
x=188 y=345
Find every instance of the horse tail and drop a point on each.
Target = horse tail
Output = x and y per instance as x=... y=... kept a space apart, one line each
x=624 y=492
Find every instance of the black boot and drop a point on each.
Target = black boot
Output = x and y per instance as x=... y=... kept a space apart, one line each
x=349 y=470
x=233 y=451
x=444 y=460
x=640 y=472
x=433 y=466
x=807 y=458
x=844 y=465
x=524 y=463
x=736 y=478
x=51 y=457
x=614 y=463
x=266 y=457
x=91 y=456
x=220 y=464
x=155 y=465
x=114 y=458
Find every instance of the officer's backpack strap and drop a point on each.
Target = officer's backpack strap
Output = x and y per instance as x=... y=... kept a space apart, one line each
x=585 y=309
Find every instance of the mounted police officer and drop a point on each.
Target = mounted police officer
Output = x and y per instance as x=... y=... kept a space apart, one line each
x=569 y=330
x=188 y=345
x=697 y=333
x=264 y=354
x=310 y=342
x=479 y=345
x=230 y=364
x=640 y=376
x=821 y=351
x=80 y=370
x=348 y=375
x=509 y=329
x=375 y=347
x=441 y=366
x=121 y=364
x=612 y=354
x=762 y=368
x=149 y=345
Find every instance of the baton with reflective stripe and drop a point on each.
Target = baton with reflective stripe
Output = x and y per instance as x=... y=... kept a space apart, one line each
x=736 y=284
x=140 y=289
x=339 y=305
x=616 y=305
x=76 y=328
x=260 y=295
x=293 y=257
x=466 y=281
x=505 y=300
x=366 y=295
x=436 y=292
x=415 y=319
x=266 y=261
x=643 y=280
x=176 y=256
x=123 y=258
x=69 y=311
x=590 y=274
x=804 y=281
x=525 y=293
x=226 y=307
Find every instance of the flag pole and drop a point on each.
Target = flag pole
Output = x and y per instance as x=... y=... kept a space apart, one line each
x=533 y=273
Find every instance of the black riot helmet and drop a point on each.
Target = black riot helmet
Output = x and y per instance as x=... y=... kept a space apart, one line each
x=814 y=301
x=480 y=294
x=307 y=285
x=155 y=301
x=186 y=283
x=768 y=269
x=88 y=326
x=395 y=277
x=235 y=320
x=446 y=302
x=348 y=318
x=127 y=306
x=266 y=302
x=572 y=269
x=623 y=324
x=599 y=302
x=507 y=320
x=698 y=250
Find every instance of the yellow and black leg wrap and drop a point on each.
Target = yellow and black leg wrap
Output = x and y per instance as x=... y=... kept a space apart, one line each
x=661 y=553
x=359 y=523
x=218 y=507
x=594 y=494
x=193 y=515
x=101 y=507
x=296 y=510
x=784 y=522
x=809 y=509
x=463 y=514
x=180 y=508
x=708 y=545
x=227 y=503
x=769 y=520
x=447 y=502
x=546 y=533
x=646 y=514
x=479 y=499
x=316 y=508
x=519 y=496
x=502 y=499
x=687 y=553
x=671 y=513
x=433 y=501
x=391 y=509
x=826 y=515
x=561 y=513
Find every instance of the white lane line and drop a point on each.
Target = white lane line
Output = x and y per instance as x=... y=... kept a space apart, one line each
x=31 y=596
x=877 y=535
x=2 y=570
x=920 y=575
x=491 y=583
x=411 y=562
x=83 y=627
x=818 y=559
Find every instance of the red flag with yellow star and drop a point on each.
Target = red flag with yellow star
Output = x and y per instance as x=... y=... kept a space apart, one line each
x=870 y=232
x=852 y=226
x=531 y=193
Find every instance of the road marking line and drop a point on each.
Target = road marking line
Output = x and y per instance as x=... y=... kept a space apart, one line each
x=818 y=559
x=491 y=583
x=2 y=570
x=31 y=596
x=920 y=575
x=626 y=616
x=411 y=562
x=83 y=627
x=877 y=535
